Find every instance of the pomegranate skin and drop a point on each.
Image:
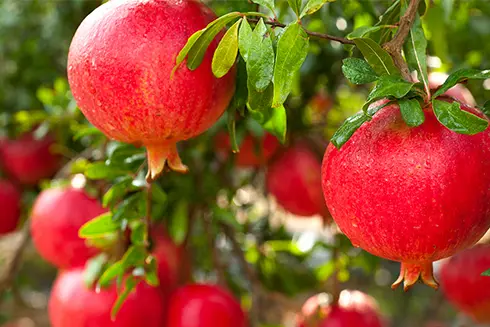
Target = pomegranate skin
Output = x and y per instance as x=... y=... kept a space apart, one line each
x=201 y=305
x=10 y=198
x=354 y=308
x=72 y=304
x=413 y=195
x=56 y=217
x=463 y=284
x=253 y=152
x=28 y=160
x=294 y=179
x=458 y=92
x=120 y=71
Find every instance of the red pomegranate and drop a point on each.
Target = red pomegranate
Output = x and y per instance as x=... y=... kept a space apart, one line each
x=173 y=264
x=201 y=305
x=294 y=179
x=72 y=304
x=56 y=217
x=119 y=68
x=463 y=284
x=252 y=153
x=28 y=160
x=458 y=92
x=354 y=308
x=413 y=195
x=10 y=206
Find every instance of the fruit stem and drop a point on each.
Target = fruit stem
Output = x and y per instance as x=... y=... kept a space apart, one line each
x=411 y=272
x=160 y=156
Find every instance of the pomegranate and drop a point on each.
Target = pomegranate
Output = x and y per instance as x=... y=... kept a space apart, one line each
x=119 y=69
x=463 y=284
x=354 y=308
x=252 y=153
x=413 y=195
x=294 y=179
x=458 y=92
x=10 y=205
x=56 y=217
x=28 y=160
x=72 y=304
x=201 y=305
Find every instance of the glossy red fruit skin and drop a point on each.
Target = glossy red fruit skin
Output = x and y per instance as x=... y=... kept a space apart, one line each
x=463 y=284
x=253 y=152
x=458 y=92
x=201 y=305
x=28 y=160
x=120 y=71
x=413 y=195
x=355 y=308
x=56 y=217
x=72 y=304
x=294 y=179
x=10 y=199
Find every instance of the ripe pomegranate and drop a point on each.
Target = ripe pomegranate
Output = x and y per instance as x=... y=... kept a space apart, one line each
x=354 y=308
x=201 y=305
x=413 y=195
x=458 y=92
x=56 y=217
x=72 y=304
x=294 y=179
x=28 y=160
x=463 y=284
x=252 y=153
x=172 y=261
x=119 y=68
x=10 y=206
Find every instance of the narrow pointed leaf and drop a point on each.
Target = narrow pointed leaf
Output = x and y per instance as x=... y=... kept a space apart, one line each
x=415 y=52
x=347 y=129
x=457 y=120
x=390 y=86
x=377 y=57
x=245 y=38
x=225 y=55
x=185 y=50
x=486 y=273
x=260 y=101
x=260 y=63
x=296 y=6
x=98 y=227
x=412 y=112
x=358 y=71
x=313 y=6
x=461 y=76
x=266 y=3
x=129 y=287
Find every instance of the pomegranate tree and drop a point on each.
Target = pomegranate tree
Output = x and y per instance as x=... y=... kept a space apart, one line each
x=10 y=206
x=463 y=284
x=120 y=71
x=56 y=217
x=73 y=304
x=28 y=160
x=354 y=308
x=458 y=92
x=294 y=179
x=202 y=305
x=253 y=152
x=410 y=194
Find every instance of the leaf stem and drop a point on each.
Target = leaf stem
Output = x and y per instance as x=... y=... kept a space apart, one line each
x=148 y=212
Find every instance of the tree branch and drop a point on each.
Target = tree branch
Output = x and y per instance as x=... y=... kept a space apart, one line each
x=315 y=34
x=394 y=47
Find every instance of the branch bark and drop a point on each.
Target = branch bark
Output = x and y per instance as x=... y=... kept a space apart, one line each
x=394 y=47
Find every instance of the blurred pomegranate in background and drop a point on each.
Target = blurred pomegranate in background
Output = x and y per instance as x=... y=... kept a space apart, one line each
x=10 y=199
x=458 y=92
x=29 y=160
x=463 y=284
x=253 y=152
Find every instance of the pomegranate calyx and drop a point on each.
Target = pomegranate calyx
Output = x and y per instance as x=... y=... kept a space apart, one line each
x=160 y=156
x=410 y=273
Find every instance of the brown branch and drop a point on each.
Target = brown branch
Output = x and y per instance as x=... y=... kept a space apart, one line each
x=394 y=47
x=311 y=33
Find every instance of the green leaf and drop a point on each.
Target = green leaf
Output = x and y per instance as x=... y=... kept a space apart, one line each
x=389 y=17
x=376 y=56
x=266 y=3
x=151 y=275
x=130 y=285
x=260 y=63
x=158 y=194
x=116 y=192
x=313 y=6
x=86 y=131
x=363 y=31
x=227 y=217
x=260 y=101
x=457 y=120
x=412 y=112
x=245 y=38
x=460 y=76
x=231 y=124
x=358 y=71
x=389 y=86
x=198 y=50
x=179 y=222
x=486 y=273
x=133 y=207
x=415 y=51
x=240 y=96
x=98 y=227
x=139 y=233
x=292 y=49
x=94 y=268
x=134 y=257
x=276 y=124
x=113 y=271
x=296 y=6
x=185 y=50
x=347 y=129
x=99 y=170
x=437 y=30
x=486 y=109
x=225 y=55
